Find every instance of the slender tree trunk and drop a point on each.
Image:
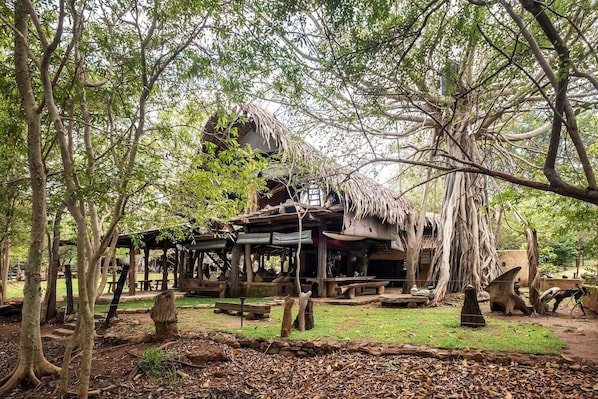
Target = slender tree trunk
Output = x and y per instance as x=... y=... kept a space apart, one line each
x=534 y=276
x=31 y=363
x=4 y=266
x=49 y=305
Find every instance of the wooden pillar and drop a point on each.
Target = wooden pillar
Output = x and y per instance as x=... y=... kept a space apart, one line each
x=177 y=264
x=146 y=252
x=248 y=264
x=322 y=251
x=234 y=273
x=132 y=271
x=164 y=269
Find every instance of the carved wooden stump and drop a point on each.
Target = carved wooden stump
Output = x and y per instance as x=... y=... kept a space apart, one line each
x=164 y=315
x=285 y=330
x=471 y=315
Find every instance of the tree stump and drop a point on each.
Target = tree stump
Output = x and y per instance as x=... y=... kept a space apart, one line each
x=304 y=298
x=471 y=315
x=164 y=315
x=285 y=330
x=309 y=317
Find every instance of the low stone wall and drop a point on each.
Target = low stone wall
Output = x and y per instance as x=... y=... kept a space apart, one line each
x=562 y=283
x=591 y=301
x=296 y=348
x=512 y=258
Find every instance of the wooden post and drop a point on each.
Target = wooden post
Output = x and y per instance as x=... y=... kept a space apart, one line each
x=248 y=264
x=180 y=260
x=285 y=330
x=234 y=273
x=164 y=269
x=132 y=271
x=117 y=293
x=322 y=254
x=471 y=315
x=68 y=279
x=164 y=315
x=146 y=252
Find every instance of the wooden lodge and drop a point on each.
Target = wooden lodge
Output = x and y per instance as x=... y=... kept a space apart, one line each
x=337 y=226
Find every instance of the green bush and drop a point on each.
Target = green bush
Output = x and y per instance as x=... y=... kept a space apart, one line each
x=565 y=251
x=547 y=268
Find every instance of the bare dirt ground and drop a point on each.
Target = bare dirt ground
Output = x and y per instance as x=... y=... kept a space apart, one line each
x=361 y=370
x=579 y=332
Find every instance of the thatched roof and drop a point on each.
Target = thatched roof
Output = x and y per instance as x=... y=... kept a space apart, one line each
x=364 y=196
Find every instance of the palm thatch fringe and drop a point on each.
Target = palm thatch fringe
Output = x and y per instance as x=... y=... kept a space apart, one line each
x=364 y=196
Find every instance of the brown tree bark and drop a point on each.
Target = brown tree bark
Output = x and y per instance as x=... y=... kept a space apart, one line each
x=534 y=276
x=31 y=363
x=164 y=315
x=49 y=304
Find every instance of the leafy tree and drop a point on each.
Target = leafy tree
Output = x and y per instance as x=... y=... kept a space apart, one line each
x=468 y=88
x=104 y=79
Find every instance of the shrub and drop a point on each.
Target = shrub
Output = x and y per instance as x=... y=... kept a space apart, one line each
x=156 y=362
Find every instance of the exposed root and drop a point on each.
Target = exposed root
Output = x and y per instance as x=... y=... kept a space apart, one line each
x=31 y=374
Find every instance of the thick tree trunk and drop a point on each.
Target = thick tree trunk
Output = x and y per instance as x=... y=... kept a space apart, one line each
x=285 y=329
x=164 y=315
x=467 y=251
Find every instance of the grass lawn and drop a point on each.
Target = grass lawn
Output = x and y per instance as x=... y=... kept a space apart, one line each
x=436 y=327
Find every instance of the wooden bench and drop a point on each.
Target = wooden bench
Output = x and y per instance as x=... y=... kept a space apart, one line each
x=411 y=301
x=254 y=311
x=200 y=287
x=350 y=290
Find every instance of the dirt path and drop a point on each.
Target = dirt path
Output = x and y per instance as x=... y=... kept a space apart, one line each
x=578 y=332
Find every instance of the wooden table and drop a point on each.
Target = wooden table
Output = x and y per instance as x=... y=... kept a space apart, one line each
x=333 y=282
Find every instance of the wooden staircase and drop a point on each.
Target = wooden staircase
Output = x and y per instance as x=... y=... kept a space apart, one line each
x=67 y=330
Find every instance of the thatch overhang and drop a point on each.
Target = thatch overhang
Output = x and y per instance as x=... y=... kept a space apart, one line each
x=363 y=196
